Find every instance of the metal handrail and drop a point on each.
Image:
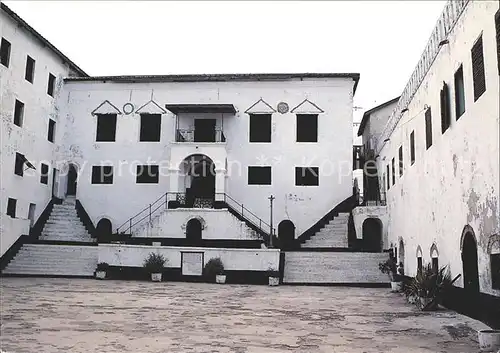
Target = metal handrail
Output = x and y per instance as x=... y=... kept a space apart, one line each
x=187 y=135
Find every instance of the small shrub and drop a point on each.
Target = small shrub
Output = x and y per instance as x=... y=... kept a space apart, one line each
x=154 y=263
x=272 y=272
x=213 y=268
x=390 y=268
x=102 y=266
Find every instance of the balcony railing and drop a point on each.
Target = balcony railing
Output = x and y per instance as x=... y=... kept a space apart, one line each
x=193 y=135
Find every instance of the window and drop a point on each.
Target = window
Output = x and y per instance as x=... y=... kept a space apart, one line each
x=11 y=207
x=445 y=108
x=50 y=134
x=19 y=113
x=307 y=128
x=306 y=176
x=388 y=177
x=5 y=52
x=150 y=127
x=147 y=174
x=459 y=93
x=106 y=127
x=478 y=77
x=44 y=174
x=435 y=264
x=51 y=85
x=260 y=127
x=412 y=147
x=497 y=26
x=30 y=69
x=259 y=175
x=419 y=264
x=401 y=162
x=102 y=174
x=428 y=128
x=495 y=271
x=393 y=171
x=19 y=166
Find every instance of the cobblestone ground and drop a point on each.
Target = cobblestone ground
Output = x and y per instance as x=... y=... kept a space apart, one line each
x=76 y=315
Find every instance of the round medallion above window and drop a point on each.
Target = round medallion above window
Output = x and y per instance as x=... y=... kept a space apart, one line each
x=283 y=107
x=128 y=108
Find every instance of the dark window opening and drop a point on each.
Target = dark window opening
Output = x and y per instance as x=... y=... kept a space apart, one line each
x=19 y=165
x=419 y=264
x=401 y=161
x=11 y=207
x=459 y=93
x=19 y=113
x=393 y=163
x=147 y=174
x=435 y=265
x=478 y=76
x=307 y=128
x=44 y=174
x=106 y=127
x=5 y=52
x=412 y=147
x=428 y=128
x=388 y=177
x=497 y=27
x=445 y=108
x=30 y=69
x=150 y=127
x=51 y=85
x=102 y=174
x=495 y=270
x=306 y=176
x=259 y=175
x=51 y=132
x=260 y=127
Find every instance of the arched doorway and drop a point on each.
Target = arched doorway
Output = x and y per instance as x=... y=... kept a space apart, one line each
x=72 y=177
x=199 y=181
x=193 y=231
x=286 y=234
x=372 y=235
x=104 y=228
x=469 y=260
x=401 y=250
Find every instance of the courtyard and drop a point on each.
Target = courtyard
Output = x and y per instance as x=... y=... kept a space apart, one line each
x=84 y=315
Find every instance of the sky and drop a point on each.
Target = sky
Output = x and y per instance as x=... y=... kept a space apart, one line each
x=381 y=40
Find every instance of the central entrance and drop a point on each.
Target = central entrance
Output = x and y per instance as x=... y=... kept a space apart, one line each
x=199 y=181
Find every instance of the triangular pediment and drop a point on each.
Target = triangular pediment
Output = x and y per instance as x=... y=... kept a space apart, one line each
x=106 y=108
x=260 y=107
x=151 y=107
x=307 y=107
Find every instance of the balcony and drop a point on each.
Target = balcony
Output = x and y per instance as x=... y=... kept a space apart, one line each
x=200 y=135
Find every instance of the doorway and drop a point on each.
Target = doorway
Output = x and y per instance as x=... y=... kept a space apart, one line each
x=372 y=235
x=469 y=262
x=104 y=228
x=286 y=234
x=55 y=175
x=31 y=214
x=193 y=231
x=204 y=130
x=72 y=177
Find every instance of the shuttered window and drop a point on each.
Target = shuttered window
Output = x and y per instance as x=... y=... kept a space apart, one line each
x=497 y=26
x=459 y=93
x=412 y=147
x=478 y=69
x=428 y=128
x=445 y=108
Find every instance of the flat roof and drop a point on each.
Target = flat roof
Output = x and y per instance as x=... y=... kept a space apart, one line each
x=22 y=23
x=366 y=115
x=217 y=77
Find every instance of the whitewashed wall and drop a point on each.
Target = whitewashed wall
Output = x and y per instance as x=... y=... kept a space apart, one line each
x=233 y=259
x=31 y=138
x=303 y=205
x=456 y=181
x=376 y=124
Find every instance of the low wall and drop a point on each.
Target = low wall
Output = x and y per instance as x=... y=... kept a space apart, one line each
x=10 y=230
x=233 y=259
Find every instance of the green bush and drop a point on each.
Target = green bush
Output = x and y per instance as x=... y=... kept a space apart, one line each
x=154 y=263
x=213 y=268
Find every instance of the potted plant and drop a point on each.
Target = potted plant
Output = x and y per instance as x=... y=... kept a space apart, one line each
x=429 y=286
x=274 y=276
x=100 y=271
x=489 y=340
x=389 y=267
x=154 y=265
x=214 y=269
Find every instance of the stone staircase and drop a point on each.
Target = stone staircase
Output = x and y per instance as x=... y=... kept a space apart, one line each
x=64 y=224
x=333 y=235
x=319 y=267
x=54 y=260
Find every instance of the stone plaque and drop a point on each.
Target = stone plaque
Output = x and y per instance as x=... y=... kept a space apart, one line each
x=192 y=263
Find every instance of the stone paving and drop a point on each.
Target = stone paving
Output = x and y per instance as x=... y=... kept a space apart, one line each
x=79 y=315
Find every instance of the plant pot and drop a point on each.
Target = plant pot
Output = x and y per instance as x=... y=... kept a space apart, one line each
x=489 y=340
x=156 y=277
x=221 y=279
x=412 y=299
x=396 y=286
x=425 y=303
x=100 y=274
x=274 y=281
